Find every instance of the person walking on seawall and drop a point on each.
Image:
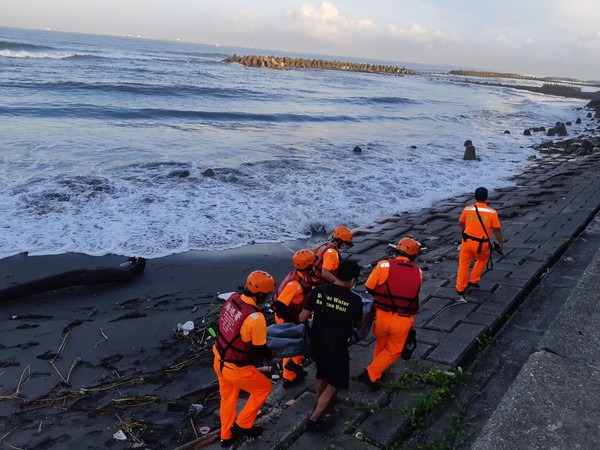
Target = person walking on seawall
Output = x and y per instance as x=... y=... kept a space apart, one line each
x=328 y=256
x=335 y=310
x=242 y=337
x=477 y=222
x=288 y=303
x=395 y=285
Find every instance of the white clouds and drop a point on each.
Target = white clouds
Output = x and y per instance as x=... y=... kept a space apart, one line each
x=511 y=35
x=417 y=34
x=326 y=22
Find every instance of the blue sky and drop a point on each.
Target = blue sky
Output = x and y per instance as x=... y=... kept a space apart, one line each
x=536 y=37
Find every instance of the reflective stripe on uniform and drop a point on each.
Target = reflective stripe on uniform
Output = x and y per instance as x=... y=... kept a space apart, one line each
x=488 y=210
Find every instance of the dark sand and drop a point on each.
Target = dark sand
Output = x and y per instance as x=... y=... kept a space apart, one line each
x=78 y=364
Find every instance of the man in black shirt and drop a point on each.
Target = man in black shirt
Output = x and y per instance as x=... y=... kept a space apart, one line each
x=335 y=310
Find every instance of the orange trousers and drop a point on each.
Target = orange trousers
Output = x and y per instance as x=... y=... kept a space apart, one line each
x=289 y=374
x=232 y=379
x=390 y=332
x=468 y=251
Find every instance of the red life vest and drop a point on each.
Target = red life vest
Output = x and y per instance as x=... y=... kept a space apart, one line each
x=229 y=342
x=400 y=292
x=318 y=264
x=306 y=285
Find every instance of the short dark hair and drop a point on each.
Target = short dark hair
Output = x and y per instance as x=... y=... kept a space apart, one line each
x=347 y=270
x=481 y=194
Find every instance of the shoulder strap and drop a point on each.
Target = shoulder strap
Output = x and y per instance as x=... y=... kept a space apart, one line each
x=481 y=222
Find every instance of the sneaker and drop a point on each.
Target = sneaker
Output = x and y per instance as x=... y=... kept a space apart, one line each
x=475 y=285
x=251 y=432
x=227 y=442
x=364 y=378
x=318 y=427
x=296 y=368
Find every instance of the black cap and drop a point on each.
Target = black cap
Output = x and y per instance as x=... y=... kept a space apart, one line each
x=481 y=194
x=347 y=270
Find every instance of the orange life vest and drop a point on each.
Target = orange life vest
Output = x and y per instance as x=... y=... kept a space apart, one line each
x=229 y=342
x=400 y=292
x=318 y=264
x=294 y=308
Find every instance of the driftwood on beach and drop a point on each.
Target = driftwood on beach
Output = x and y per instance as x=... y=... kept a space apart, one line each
x=81 y=277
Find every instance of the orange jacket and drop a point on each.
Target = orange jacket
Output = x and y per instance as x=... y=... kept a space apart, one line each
x=471 y=225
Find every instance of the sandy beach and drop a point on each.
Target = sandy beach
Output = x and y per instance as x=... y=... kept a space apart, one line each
x=79 y=364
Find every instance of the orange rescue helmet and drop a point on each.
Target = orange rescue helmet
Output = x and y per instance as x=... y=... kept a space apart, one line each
x=343 y=234
x=303 y=259
x=408 y=246
x=260 y=282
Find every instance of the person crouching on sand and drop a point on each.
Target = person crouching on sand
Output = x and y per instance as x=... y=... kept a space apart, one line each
x=288 y=303
x=242 y=337
x=328 y=256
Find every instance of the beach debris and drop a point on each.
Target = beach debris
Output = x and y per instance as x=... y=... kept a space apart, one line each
x=196 y=407
x=186 y=327
x=204 y=430
x=120 y=435
x=29 y=317
x=225 y=295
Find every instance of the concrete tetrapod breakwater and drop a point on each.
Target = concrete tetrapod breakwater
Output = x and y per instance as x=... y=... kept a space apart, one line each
x=275 y=62
x=550 y=203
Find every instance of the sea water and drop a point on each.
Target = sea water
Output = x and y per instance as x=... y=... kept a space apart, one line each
x=106 y=142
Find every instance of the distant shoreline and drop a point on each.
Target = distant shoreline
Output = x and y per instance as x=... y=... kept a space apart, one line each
x=548 y=90
x=552 y=85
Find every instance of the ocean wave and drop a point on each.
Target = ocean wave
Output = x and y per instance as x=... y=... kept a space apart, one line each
x=40 y=55
x=18 y=46
x=134 y=88
x=80 y=111
x=390 y=100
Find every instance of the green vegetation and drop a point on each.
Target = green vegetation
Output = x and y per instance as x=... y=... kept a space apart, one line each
x=440 y=387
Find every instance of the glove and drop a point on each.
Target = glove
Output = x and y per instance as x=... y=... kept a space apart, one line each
x=283 y=312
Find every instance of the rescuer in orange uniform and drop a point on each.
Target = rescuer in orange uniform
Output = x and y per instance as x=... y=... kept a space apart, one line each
x=242 y=337
x=395 y=286
x=476 y=222
x=288 y=303
x=328 y=256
